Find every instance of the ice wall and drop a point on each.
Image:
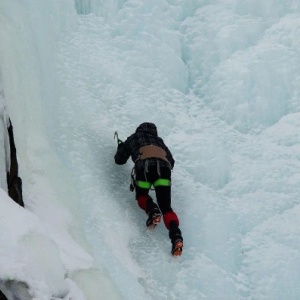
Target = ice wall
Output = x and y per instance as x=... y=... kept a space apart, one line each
x=195 y=68
x=30 y=35
x=244 y=60
x=101 y=8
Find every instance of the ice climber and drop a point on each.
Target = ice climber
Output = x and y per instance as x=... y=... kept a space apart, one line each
x=153 y=164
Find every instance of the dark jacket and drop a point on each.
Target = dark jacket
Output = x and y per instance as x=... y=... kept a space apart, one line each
x=145 y=134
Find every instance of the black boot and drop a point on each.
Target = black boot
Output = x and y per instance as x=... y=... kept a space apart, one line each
x=176 y=239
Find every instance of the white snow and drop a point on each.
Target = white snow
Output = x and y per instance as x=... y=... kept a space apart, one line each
x=220 y=79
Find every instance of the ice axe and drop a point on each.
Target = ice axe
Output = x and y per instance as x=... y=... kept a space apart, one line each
x=116 y=136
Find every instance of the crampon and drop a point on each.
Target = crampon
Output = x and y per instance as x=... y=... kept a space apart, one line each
x=153 y=220
x=177 y=248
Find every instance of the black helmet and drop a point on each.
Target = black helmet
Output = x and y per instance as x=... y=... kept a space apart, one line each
x=148 y=128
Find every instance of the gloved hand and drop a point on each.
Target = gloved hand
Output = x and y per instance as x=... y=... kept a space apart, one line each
x=120 y=144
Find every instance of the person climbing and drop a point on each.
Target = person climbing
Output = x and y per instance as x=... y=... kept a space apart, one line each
x=153 y=164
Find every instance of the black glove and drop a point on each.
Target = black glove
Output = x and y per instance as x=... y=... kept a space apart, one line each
x=120 y=144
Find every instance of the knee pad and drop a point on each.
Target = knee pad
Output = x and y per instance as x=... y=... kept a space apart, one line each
x=142 y=201
x=170 y=217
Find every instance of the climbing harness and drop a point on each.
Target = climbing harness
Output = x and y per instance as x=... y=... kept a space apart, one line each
x=146 y=184
x=146 y=152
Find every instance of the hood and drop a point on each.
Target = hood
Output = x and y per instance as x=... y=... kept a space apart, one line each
x=147 y=127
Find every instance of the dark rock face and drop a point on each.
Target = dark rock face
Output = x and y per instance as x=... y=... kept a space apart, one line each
x=2 y=296
x=14 y=182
